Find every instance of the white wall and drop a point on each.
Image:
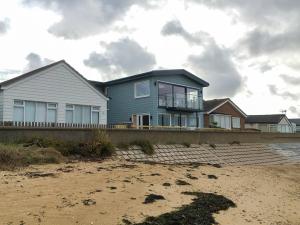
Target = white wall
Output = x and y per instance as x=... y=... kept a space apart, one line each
x=58 y=84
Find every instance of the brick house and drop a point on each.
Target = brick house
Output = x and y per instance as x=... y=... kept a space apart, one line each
x=223 y=113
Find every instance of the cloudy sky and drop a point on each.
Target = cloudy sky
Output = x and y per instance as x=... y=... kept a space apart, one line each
x=247 y=50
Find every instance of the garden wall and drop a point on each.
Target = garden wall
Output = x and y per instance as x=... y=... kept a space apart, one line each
x=14 y=134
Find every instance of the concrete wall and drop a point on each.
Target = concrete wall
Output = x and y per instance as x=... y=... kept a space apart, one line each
x=10 y=134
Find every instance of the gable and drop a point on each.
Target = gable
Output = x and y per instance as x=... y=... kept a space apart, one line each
x=58 y=75
x=284 y=120
x=54 y=84
x=226 y=107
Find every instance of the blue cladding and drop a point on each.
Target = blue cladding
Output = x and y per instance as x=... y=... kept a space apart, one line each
x=123 y=104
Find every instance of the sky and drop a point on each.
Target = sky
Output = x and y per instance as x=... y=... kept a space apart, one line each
x=248 y=51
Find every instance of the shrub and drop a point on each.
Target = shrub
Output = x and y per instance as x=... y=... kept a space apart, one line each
x=13 y=156
x=145 y=145
x=186 y=144
x=123 y=146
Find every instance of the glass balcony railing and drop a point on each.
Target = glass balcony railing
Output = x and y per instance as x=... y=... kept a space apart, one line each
x=186 y=101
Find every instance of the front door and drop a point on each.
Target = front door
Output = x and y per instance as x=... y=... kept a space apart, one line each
x=141 y=121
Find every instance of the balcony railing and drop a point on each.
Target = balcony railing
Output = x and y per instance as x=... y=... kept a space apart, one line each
x=179 y=101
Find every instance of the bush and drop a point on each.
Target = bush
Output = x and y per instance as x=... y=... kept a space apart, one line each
x=145 y=145
x=13 y=156
x=186 y=144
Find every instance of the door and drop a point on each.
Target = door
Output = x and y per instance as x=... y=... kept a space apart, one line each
x=141 y=121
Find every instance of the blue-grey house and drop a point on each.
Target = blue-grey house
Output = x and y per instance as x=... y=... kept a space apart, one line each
x=160 y=98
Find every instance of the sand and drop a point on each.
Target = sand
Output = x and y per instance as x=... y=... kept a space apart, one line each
x=263 y=195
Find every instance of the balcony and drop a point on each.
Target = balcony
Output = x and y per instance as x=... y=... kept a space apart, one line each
x=179 y=102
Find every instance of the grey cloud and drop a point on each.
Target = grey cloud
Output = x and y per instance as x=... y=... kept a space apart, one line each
x=6 y=74
x=35 y=61
x=174 y=27
x=123 y=56
x=265 y=67
x=290 y=79
x=84 y=18
x=294 y=110
x=216 y=66
x=266 y=12
x=4 y=26
x=286 y=94
x=259 y=42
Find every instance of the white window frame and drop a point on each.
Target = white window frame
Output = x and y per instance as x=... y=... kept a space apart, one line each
x=141 y=96
x=164 y=114
x=95 y=110
x=92 y=107
x=35 y=114
x=223 y=116
x=239 y=122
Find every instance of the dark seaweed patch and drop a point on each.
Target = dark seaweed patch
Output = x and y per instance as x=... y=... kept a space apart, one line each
x=182 y=182
x=152 y=198
x=212 y=176
x=199 y=212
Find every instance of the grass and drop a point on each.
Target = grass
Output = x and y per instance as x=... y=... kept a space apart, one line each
x=145 y=145
x=13 y=156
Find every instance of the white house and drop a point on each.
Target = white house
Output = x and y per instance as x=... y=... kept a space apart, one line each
x=269 y=123
x=55 y=93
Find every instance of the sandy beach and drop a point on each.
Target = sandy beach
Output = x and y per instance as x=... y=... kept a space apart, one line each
x=115 y=190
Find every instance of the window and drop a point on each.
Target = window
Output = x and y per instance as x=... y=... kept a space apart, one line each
x=95 y=115
x=142 y=89
x=30 y=111
x=19 y=107
x=179 y=97
x=171 y=95
x=164 y=119
x=82 y=114
x=192 y=121
x=165 y=96
x=222 y=121
x=192 y=98
x=236 y=122
x=179 y=120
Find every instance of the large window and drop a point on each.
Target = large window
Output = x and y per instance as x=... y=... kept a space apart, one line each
x=222 y=121
x=164 y=119
x=179 y=120
x=192 y=98
x=170 y=95
x=236 y=122
x=30 y=111
x=142 y=89
x=82 y=114
x=165 y=96
x=179 y=97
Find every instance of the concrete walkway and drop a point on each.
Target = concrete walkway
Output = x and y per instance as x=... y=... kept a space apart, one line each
x=223 y=154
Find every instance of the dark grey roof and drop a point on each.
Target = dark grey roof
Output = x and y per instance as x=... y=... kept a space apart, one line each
x=270 y=119
x=208 y=105
x=30 y=73
x=296 y=121
x=159 y=73
x=98 y=85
